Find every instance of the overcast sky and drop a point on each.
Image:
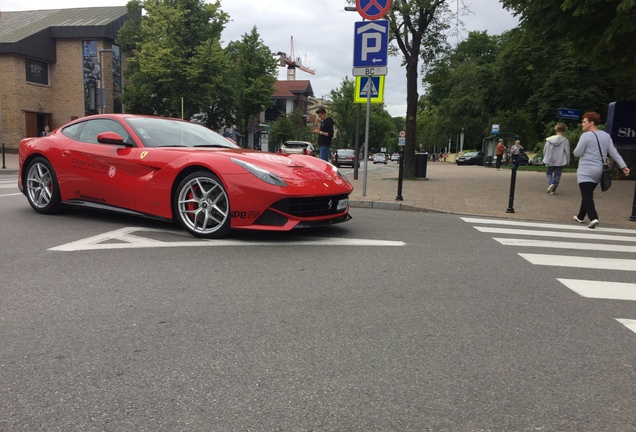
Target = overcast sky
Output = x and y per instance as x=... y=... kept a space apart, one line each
x=322 y=32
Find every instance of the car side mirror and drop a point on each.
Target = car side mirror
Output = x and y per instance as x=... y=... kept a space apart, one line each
x=110 y=138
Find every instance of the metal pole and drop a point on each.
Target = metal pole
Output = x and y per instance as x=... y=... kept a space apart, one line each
x=356 y=163
x=400 y=176
x=513 y=180
x=4 y=166
x=366 y=139
x=631 y=218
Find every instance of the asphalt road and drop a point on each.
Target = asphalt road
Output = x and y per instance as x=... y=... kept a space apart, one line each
x=394 y=321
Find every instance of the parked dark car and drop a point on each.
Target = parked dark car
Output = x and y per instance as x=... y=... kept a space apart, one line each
x=343 y=157
x=523 y=159
x=470 y=158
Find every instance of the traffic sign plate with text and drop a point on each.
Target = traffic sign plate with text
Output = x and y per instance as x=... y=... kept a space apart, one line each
x=370 y=71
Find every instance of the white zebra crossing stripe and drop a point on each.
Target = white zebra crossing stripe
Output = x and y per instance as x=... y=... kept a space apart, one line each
x=569 y=227
x=581 y=262
x=601 y=289
x=565 y=238
x=566 y=245
x=590 y=235
x=630 y=324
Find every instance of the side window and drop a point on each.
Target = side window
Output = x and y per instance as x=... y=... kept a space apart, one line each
x=92 y=128
x=73 y=130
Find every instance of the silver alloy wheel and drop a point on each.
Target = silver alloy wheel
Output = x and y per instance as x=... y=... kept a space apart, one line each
x=203 y=206
x=39 y=185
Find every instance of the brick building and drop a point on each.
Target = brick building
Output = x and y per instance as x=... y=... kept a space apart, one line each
x=57 y=65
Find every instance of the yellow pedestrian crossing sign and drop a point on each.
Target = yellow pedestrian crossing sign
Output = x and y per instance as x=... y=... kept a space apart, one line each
x=366 y=84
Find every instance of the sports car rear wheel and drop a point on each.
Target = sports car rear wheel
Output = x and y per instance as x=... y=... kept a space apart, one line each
x=41 y=186
x=201 y=205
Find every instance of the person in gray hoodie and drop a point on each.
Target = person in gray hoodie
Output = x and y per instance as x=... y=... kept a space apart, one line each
x=591 y=164
x=556 y=155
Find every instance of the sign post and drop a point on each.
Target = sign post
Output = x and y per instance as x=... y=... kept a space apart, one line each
x=370 y=57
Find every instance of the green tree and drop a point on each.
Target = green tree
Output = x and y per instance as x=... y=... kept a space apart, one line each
x=460 y=87
x=344 y=114
x=594 y=29
x=254 y=67
x=281 y=130
x=175 y=61
x=290 y=127
x=382 y=133
x=419 y=29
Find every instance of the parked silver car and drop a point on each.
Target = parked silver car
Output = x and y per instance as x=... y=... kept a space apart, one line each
x=379 y=158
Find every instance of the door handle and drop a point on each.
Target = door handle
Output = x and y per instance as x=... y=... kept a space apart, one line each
x=66 y=152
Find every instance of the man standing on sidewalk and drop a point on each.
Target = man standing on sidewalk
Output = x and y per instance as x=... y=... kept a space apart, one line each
x=556 y=154
x=325 y=133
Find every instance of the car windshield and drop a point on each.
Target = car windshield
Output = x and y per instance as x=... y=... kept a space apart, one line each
x=162 y=132
x=470 y=154
x=345 y=152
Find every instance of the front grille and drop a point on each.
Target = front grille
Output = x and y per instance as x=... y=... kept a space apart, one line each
x=310 y=206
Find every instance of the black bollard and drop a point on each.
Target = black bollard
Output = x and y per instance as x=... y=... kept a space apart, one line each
x=4 y=166
x=513 y=180
x=633 y=216
x=400 y=177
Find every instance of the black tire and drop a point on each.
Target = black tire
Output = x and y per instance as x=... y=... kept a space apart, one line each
x=41 y=187
x=201 y=205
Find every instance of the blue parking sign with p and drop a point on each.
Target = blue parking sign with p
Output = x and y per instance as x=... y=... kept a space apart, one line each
x=371 y=43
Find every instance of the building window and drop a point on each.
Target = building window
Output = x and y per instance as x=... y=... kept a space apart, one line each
x=37 y=71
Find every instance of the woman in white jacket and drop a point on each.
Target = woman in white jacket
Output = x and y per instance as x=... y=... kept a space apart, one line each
x=556 y=155
x=591 y=164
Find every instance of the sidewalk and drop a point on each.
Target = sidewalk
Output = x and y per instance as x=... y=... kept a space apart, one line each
x=478 y=191
x=481 y=191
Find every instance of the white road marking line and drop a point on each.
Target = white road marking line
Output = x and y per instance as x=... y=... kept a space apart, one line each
x=566 y=245
x=601 y=289
x=630 y=324
x=572 y=226
x=590 y=235
x=126 y=240
x=581 y=262
x=13 y=194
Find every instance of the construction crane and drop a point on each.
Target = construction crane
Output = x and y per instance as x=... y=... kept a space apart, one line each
x=292 y=63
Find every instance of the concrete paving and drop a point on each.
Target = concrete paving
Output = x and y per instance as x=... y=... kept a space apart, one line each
x=484 y=191
x=478 y=191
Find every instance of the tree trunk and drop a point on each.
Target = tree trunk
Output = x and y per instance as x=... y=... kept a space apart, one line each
x=412 y=98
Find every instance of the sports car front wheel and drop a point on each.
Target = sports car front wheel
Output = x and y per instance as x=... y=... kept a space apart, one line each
x=41 y=186
x=202 y=206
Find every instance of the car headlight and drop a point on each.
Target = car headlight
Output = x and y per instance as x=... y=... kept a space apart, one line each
x=261 y=173
x=338 y=172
